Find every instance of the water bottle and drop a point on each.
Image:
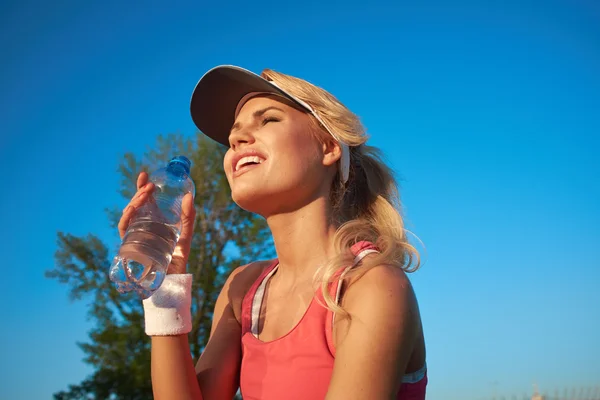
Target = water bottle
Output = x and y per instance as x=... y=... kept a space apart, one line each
x=147 y=247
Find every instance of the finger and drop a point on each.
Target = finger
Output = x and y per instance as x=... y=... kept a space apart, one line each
x=125 y=218
x=140 y=198
x=142 y=179
x=188 y=216
x=145 y=189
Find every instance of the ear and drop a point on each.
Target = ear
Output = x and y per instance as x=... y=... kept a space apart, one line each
x=332 y=152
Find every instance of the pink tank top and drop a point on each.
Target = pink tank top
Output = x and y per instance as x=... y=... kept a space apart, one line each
x=299 y=364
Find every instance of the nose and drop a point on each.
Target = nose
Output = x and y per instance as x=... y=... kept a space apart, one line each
x=240 y=137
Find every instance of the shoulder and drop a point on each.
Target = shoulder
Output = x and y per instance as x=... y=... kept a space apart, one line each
x=376 y=343
x=382 y=280
x=382 y=291
x=240 y=280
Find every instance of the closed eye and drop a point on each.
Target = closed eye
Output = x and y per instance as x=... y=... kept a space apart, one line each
x=266 y=120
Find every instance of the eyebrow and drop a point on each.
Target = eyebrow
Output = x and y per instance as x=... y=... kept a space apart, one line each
x=255 y=115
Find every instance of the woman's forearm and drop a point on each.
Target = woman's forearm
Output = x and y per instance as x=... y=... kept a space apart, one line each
x=173 y=372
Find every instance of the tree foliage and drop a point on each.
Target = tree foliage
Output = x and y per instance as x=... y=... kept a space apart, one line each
x=225 y=236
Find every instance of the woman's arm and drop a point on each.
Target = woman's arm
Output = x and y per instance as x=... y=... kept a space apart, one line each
x=173 y=375
x=374 y=346
x=216 y=375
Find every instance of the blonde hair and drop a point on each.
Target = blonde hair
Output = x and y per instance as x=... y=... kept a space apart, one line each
x=367 y=207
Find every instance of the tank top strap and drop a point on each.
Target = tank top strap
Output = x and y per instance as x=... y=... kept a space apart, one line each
x=248 y=303
x=360 y=251
x=363 y=245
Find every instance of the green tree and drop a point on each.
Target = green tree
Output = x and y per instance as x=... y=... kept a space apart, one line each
x=225 y=236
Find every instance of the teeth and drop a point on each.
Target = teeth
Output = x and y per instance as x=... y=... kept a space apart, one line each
x=246 y=160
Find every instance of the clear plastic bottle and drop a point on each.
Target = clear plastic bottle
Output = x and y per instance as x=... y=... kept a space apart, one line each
x=148 y=245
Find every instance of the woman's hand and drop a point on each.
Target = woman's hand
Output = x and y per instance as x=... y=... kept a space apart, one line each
x=188 y=216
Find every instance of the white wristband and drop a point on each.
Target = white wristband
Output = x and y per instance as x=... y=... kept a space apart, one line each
x=168 y=311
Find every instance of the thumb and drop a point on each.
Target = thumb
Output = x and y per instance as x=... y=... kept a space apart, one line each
x=188 y=216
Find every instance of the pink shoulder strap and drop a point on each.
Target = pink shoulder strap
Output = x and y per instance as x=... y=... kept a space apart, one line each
x=247 y=301
x=358 y=247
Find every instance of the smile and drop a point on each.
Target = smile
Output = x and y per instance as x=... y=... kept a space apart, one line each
x=248 y=161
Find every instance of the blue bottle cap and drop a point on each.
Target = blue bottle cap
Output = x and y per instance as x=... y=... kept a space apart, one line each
x=183 y=161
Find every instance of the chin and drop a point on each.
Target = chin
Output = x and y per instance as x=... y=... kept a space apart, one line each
x=252 y=199
x=266 y=201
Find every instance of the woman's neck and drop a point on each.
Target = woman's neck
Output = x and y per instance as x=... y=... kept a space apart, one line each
x=303 y=240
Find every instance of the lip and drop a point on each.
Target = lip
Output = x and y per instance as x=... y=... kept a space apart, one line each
x=245 y=153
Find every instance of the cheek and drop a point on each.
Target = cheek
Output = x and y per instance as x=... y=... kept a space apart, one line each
x=227 y=163
x=227 y=160
x=297 y=156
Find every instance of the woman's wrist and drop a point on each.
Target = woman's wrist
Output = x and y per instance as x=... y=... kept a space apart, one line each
x=168 y=311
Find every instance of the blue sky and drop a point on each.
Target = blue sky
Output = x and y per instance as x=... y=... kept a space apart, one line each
x=490 y=112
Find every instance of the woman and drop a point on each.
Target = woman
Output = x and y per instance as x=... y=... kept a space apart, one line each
x=334 y=316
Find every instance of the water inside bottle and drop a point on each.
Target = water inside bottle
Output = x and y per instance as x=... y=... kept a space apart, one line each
x=144 y=256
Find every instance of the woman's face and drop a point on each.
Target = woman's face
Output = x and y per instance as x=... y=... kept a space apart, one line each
x=275 y=162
